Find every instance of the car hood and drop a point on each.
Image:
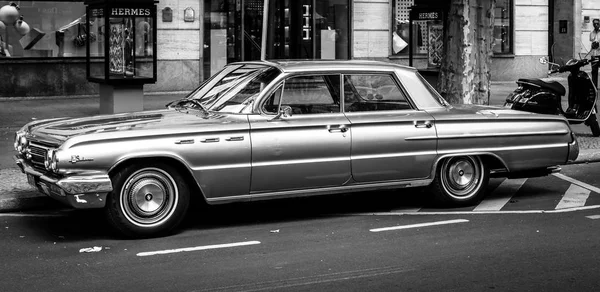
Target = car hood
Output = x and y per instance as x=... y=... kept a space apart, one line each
x=56 y=131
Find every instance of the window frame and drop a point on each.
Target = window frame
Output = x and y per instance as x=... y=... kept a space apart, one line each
x=394 y=78
x=281 y=85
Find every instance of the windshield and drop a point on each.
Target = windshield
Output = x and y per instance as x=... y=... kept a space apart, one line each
x=236 y=91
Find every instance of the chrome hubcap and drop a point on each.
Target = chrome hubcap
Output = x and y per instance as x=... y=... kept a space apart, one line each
x=461 y=176
x=149 y=197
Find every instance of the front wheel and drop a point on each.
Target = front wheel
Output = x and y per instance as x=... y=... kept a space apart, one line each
x=460 y=181
x=147 y=200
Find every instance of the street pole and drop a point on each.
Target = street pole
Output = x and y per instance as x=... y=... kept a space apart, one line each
x=263 y=47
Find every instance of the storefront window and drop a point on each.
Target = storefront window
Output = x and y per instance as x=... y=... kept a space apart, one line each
x=502 y=27
x=56 y=29
x=426 y=30
x=298 y=29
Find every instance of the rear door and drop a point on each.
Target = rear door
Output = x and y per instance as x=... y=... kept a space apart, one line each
x=310 y=148
x=391 y=139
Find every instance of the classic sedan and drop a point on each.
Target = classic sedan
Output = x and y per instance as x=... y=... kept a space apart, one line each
x=278 y=129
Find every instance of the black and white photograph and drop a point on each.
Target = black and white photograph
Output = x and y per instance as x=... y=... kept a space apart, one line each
x=299 y=145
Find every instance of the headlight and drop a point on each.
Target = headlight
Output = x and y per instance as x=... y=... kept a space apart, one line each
x=48 y=158
x=54 y=162
x=21 y=142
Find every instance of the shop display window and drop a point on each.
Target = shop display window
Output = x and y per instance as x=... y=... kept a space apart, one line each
x=48 y=29
x=503 y=27
x=125 y=47
x=424 y=31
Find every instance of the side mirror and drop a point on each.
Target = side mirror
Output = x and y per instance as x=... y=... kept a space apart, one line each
x=544 y=60
x=284 y=111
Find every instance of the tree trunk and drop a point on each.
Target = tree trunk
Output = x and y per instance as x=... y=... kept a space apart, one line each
x=469 y=41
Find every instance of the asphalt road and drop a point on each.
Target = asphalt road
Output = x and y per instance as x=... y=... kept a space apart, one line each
x=544 y=237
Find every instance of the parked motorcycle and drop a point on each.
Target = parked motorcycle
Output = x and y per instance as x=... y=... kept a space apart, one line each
x=544 y=97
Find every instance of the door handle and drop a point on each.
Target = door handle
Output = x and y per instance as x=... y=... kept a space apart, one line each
x=423 y=124
x=210 y=140
x=340 y=128
x=188 y=141
x=240 y=138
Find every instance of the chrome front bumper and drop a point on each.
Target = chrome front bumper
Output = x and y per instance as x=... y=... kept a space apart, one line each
x=81 y=191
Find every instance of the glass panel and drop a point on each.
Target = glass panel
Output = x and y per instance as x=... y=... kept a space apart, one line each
x=117 y=38
x=97 y=26
x=236 y=91
x=300 y=30
x=373 y=93
x=310 y=95
x=502 y=27
x=332 y=29
x=143 y=42
x=400 y=34
x=55 y=29
x=131 y=47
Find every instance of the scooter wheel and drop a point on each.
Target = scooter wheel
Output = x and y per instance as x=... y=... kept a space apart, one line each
x=593 y=123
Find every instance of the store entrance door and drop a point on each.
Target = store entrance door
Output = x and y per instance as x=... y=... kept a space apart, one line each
x=297 y=29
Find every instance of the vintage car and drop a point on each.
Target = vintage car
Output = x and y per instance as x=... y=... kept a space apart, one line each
x=277 y=129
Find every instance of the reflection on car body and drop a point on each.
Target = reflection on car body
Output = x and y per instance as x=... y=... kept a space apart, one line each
x=276 y=129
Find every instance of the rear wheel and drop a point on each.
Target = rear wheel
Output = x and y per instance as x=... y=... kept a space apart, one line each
x=460 y=180
x=147 y=200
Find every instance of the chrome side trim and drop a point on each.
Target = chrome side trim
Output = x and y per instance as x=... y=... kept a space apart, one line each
x=322 y=191
x=419 y=138
x=473 y=151
x=484 y=135
x=391 y=155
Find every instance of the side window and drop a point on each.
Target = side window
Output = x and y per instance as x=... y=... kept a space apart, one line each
x=366 y=92
x=271 y=106
x=312 y=94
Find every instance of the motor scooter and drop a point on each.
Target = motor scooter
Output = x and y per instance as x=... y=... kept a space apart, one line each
x=544 y=97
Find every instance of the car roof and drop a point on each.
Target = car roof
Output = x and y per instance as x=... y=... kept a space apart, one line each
x=289 y=66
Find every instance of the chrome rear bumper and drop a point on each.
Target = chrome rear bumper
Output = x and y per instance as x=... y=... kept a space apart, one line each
x=573 y=151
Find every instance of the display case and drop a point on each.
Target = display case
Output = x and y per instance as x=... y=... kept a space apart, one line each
x=121 y=41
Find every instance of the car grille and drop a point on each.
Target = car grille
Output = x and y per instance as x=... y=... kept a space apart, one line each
x=38 y=155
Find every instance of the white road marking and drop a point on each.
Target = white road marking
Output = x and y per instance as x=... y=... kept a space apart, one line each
x=501 y=195
x=579 y=183
x=406 y=210
x=30 y=215
x=574 y=197
x=593 y=217
x=197 y=248
x=419 y=225
x=475 y=213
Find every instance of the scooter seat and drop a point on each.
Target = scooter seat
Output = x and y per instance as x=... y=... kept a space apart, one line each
x=551 y=85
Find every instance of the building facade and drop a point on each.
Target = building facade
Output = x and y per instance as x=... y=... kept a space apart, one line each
x=196 y=38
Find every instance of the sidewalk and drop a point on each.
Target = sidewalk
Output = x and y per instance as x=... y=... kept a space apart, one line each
x=17 y=195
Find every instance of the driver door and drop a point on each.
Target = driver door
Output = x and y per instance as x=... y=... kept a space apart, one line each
x=310 y=148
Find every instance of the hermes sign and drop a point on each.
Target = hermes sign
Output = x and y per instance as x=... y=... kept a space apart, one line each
x=130 y=12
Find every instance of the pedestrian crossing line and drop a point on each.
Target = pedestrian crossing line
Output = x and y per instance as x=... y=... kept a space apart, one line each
x=575 y=196
x=579 y=183
x=501 y=195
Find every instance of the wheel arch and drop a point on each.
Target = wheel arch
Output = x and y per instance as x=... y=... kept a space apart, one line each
x=175 y=162
x=491 y=160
